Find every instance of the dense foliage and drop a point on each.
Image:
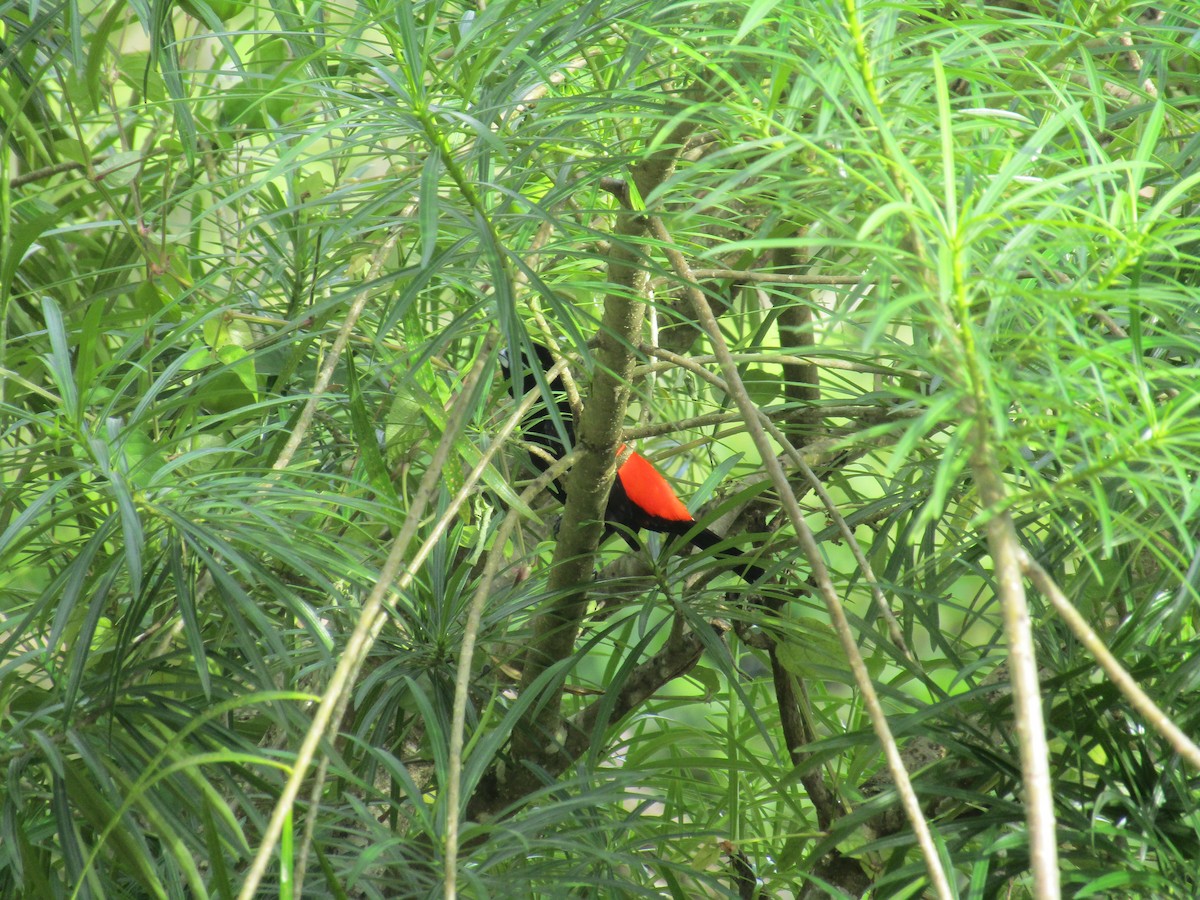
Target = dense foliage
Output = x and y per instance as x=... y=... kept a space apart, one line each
x=255 y=264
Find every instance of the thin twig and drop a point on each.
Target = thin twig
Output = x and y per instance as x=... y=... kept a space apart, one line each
x=800 y=358
x=779 y=277
x=820 y=572
x=18 y=181
x=394 y=576
x=1138 y=699
x=870 y=414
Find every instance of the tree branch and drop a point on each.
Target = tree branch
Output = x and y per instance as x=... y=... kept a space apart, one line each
x=820 y=572
x=1138 y=699
x=598 y=437
x=1004 y=548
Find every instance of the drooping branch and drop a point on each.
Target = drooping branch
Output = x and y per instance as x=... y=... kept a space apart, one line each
x=820 y=571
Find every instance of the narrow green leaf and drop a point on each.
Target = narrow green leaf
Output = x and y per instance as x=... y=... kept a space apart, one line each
x=61 y=367
x=364 y=432
x=755 y=14
x=189 y=615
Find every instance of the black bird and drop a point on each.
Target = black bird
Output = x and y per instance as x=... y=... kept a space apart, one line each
x=641 y=496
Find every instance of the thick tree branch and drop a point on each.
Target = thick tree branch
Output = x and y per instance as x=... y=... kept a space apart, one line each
x=539 y=741
x=801 y=382
x=798 y=735
x=674 y=660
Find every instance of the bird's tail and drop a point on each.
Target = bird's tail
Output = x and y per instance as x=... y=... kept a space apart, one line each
x=705 y=539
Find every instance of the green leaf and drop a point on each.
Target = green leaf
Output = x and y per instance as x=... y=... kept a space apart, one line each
x=364 y=433
x=119 y=169
x=757 y=11
x=813 y=653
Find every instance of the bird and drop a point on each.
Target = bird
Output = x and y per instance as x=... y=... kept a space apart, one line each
x=641 y=496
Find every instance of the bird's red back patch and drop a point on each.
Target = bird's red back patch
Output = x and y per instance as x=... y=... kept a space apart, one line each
x=650 y=491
